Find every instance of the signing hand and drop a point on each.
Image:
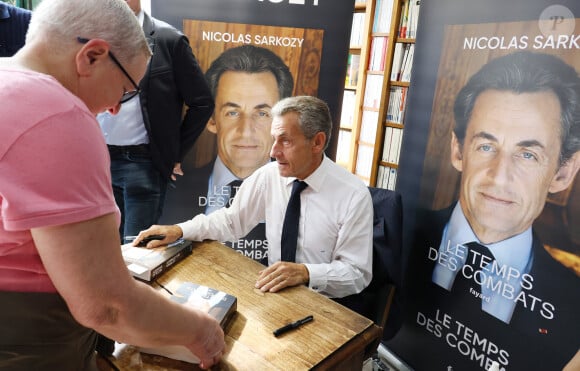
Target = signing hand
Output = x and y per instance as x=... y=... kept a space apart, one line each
x=171 y=232
x=280 y=275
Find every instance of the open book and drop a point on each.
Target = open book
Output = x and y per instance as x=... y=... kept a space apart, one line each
x=147 y=264
x=219 y=304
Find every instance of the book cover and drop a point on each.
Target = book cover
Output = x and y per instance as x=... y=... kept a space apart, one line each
x=147 y=264
x=219 y=304
x=436 y=317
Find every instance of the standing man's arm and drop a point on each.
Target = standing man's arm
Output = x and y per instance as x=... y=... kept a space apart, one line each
x=85 y=264
x=195 y=92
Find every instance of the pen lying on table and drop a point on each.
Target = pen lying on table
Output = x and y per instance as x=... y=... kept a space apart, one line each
x=292 y=326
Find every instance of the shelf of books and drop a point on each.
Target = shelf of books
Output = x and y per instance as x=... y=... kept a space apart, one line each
x=387 y=77
x=386 y=156
x=353 y=85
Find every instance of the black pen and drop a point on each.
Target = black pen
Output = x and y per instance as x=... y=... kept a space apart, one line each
x=152 y=237
x=292 y=326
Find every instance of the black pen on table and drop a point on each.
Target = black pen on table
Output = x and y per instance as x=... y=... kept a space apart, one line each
x=292 y=326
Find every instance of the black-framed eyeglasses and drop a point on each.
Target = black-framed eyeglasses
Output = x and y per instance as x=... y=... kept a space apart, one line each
x=127 y=95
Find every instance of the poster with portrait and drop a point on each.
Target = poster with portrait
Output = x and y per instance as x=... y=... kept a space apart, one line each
x=307 y=43
x=483 y=164
x=298 y=48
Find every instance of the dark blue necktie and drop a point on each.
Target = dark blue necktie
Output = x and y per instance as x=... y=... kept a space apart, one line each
x=290 y=227
x=233 y=185
x=462 y=284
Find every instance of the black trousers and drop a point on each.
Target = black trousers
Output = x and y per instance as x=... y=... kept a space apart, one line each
x=38 y=332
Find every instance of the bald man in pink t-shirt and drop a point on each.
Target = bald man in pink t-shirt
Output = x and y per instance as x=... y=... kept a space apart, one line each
x=62 y=275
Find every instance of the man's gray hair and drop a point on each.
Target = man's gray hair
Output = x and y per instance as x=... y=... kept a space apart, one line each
x=313 y=115
x=59 y=22
x=526 y=72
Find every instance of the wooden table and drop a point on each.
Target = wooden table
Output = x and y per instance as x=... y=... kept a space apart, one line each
x=337 y=338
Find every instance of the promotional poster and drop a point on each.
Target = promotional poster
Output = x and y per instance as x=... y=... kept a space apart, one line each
x=488 y=175
x=303 y=48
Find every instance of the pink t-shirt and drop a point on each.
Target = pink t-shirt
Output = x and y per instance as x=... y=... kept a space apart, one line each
x=54 y=170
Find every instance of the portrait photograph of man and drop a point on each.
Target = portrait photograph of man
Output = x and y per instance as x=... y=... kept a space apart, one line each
x=492 y=251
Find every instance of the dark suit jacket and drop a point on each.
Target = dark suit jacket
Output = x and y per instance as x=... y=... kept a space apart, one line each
x=530 y=340
x=173 y=78
x=182 y=202
x=13 y=27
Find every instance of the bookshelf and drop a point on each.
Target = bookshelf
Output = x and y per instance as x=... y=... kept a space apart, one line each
x=378 y=118
x=354 y=84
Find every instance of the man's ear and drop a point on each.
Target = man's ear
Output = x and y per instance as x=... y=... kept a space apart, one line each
x=94 y=51
x=565 y=174
x=456 y=154
x=318 y=142
x=211 y=125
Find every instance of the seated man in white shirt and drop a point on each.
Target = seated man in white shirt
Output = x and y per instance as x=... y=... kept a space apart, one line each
x=335 y=231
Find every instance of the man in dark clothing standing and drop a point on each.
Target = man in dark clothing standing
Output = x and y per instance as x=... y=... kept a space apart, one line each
x=151 y=134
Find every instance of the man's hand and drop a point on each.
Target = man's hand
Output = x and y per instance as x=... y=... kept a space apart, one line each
x=171 y=233
x=282 y=274
x=176 y=171
x=211 y=347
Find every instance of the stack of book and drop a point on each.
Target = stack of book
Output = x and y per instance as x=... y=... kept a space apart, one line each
x=147 y=264
x=220 y=305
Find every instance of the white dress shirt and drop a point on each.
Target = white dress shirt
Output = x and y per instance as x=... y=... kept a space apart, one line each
x=335 y=230
x=127 y=126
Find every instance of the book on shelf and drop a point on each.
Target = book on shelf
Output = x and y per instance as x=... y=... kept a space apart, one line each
x=357 y=29
x=392 y=181
x=413 y=18
x=397 y=62
x=347 y=111
x=395 y=146
x=383 y=15
x=397 y=104
x=392 y=145
x=400 y=117
x=391 y=106
x=364 y=161
x=221 y=305
x=378 y=52
x=380 y=175
x=408 y=63
x=386 y=177
x=409 y=19
x=387 y=143
x=343 y=147
x=148 y=264
x=352 y=68
x=404 y=22
x=368 y=126
x=373 y=89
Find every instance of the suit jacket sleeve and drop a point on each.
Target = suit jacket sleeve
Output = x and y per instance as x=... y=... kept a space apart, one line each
x=196 y=95
x=173 y=82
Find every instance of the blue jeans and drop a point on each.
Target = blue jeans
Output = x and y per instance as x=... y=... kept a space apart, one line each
x=139 y=190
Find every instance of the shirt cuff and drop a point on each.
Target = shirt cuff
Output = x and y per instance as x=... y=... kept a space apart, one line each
x=318 y=277
x=187 y=230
